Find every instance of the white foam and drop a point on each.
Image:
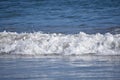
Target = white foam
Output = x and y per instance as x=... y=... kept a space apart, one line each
x=40 y=43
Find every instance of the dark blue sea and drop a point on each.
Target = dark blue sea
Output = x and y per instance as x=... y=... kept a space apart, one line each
x=60 y=16
x=59 y=39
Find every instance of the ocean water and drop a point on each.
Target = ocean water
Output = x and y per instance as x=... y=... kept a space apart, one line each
x=60 y=68
x=60 y=39
x=60 y=16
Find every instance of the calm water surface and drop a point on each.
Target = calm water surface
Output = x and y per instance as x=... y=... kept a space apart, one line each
x=61 y=68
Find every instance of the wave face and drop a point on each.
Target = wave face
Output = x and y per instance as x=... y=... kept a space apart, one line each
x=38 y=43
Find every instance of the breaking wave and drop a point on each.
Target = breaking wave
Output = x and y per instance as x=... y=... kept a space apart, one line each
x=39 y=43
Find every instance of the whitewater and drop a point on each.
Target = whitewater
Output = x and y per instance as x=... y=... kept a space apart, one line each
x=39 y=43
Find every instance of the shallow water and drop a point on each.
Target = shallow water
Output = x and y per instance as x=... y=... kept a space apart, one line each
x=60 y=68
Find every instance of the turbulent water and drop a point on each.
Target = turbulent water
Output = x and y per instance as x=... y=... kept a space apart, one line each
x=59 y=39
x=62 y=27
x=60 y=44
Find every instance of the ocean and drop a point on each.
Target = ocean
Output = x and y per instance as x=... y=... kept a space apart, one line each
x=60 y=39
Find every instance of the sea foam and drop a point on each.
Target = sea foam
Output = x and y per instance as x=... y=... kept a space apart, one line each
x=38 y=43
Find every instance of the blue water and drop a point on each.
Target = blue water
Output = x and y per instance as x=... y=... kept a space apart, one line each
x=60 y=16
x=61 y=68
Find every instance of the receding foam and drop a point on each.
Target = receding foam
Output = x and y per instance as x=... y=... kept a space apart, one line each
x=38 y=43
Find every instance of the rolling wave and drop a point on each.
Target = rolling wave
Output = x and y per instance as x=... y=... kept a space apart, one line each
x=39 y=43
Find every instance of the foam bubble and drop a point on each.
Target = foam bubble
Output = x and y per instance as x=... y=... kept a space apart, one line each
x=38 y=43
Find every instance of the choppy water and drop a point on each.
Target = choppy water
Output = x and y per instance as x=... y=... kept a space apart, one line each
x=68 y=26
x=65 y=16
x=60 y=39
x=60 y=44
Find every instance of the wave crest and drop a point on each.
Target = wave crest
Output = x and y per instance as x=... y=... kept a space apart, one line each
x=40 y=43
